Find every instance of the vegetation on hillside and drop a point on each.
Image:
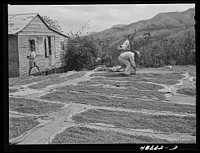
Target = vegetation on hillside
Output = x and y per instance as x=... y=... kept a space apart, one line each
x=81 y=53
x=156 y=52
x=161 y=52
x=159 y=47
x=82 y=50
x=53 y=24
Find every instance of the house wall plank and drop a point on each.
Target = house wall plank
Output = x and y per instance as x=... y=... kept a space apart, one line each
x=37 y=30
x=13 y=64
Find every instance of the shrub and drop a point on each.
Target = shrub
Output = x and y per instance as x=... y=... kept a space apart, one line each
x=81 y=53
x=160 y=52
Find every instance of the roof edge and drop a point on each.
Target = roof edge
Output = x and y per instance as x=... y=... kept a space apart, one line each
x=51 y=28
x=23 y=14
x=37 y=14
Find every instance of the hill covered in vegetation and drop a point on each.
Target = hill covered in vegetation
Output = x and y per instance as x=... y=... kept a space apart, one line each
x=165 y=39
x=175 y=28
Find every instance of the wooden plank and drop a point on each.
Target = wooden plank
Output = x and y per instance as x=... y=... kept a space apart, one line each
x=36 y=26
x=13 y=56
x=31 y=32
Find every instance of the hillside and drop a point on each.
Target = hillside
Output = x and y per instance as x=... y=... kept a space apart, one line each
x=163 y=25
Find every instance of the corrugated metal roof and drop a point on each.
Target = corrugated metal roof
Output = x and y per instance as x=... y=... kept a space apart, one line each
x=17 y=22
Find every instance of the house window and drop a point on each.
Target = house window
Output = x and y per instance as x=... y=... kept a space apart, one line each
x=47 y=46
x=32 y=44
x=64 y=45
x=49 y=43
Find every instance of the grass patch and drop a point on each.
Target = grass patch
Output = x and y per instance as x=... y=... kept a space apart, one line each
x=18 y=126
x=168 y=79
x=130 y=84
x=85 y=135
x=32 y=106
x=187 y=91
x=170 y=124
x=56 y=80
x=13 y=90
x=183 y=69
x=192 y=73
x=115 y=91
x=28 y=79
x=86 y=97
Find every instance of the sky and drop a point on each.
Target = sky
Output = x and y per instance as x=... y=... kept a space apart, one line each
x=97 y=17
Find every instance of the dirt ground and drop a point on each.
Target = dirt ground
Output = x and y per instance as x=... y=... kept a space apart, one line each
x=157 y=105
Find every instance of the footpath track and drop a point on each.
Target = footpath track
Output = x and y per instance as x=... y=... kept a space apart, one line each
x=54 y=123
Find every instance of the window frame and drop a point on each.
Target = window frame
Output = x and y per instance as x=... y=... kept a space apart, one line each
x=47 y=46
x=30 y=44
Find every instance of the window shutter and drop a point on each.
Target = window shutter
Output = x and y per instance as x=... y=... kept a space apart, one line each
x=47 y=46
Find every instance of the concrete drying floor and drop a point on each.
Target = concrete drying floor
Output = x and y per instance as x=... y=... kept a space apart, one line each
x=157 y=105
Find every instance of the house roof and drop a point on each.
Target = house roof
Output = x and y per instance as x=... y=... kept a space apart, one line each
x=17 y=22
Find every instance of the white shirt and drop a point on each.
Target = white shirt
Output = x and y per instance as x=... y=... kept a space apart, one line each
x=32 y=54
x=128 y=56
x=126 y=45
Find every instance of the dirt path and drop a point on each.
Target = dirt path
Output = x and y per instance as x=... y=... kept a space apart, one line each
x=172 y=137
x=24 y=91
x=54 y=123
x=171 y=91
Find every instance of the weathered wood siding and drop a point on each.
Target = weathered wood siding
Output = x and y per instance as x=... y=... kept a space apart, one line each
x=37 y=30
x=36 y=27
x=24 y=50
x=13 y=56
x=60 y=54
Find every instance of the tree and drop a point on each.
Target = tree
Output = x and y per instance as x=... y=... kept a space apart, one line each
x=188 y=47
x=160 y=52
x=103 y=49
x=53 y=24
x=81 y=51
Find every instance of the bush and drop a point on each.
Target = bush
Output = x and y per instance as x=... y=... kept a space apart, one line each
x=81 y=53
x=160 y=52
x=83 y=50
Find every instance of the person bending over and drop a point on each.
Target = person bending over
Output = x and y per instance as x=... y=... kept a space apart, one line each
x=128 y=58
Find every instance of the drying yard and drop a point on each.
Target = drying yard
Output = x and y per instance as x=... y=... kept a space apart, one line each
x=157 y=105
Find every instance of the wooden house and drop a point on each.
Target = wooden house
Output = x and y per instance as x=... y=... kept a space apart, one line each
x=30 y=32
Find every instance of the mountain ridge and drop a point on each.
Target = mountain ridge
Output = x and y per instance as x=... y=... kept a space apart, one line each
x=170 y=25
x=160 y=21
